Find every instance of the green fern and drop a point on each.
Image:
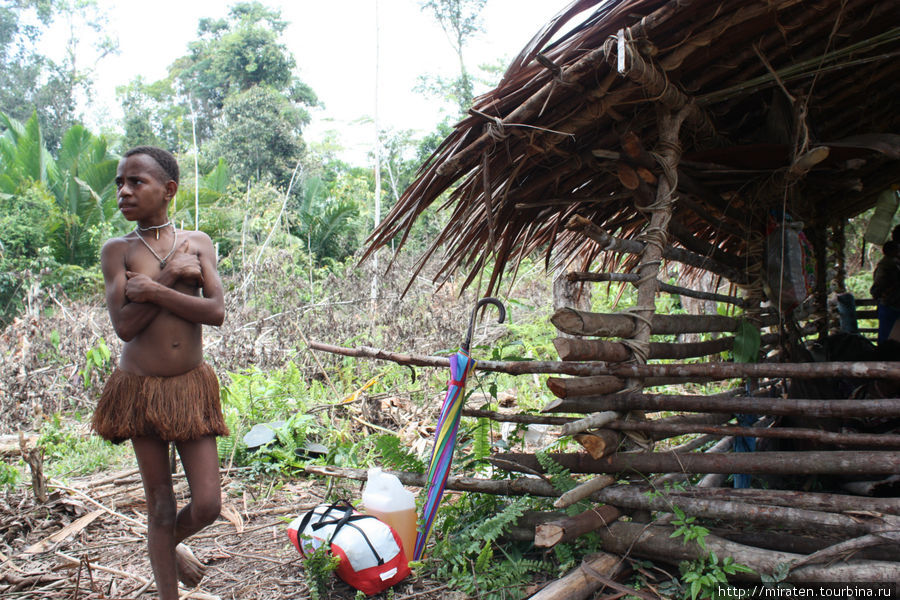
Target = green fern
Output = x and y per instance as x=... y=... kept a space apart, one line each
x=470 y=559
x=560 y=477
x=395 y=455
x=491 y=528
x=481 y=447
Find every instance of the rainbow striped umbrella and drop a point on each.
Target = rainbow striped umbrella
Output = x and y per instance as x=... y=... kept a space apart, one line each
x=461 y=364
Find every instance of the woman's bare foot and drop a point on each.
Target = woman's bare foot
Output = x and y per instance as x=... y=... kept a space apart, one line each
x=190 y=570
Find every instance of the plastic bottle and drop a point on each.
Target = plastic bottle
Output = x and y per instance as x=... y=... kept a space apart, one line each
x=880 y=223
x=385 y=497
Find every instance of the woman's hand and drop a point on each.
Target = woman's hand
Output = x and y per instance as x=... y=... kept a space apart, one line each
x=185 y=265
x=139 y=287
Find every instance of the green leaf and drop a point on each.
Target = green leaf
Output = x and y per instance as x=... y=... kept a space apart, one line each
x=746 y=343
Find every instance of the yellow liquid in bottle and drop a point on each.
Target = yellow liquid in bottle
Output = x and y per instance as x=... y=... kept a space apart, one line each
x=404 y=523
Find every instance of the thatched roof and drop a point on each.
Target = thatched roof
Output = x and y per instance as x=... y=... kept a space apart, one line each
x=793 y=104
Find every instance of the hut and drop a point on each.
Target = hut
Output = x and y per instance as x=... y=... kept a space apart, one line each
x=735 y=140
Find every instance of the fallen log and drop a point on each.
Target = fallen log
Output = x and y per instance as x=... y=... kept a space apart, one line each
x=551 y=533
x=580 y=583
x=766 y=516
x=885 y=407
x=839 y=462
x=656 y=543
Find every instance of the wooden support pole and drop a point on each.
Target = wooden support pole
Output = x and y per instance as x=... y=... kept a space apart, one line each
x=886 y=407
x=839 y=462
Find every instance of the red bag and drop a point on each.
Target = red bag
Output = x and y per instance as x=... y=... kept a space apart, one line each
x=370 y=551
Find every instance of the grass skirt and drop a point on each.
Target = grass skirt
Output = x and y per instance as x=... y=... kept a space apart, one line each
x=178 y=408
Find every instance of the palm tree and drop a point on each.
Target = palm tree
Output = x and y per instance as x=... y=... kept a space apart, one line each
x=81 y=180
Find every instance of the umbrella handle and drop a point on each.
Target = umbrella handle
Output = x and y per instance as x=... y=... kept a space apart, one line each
x=479 y=304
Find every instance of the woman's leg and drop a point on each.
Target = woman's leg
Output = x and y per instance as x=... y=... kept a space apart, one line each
x=201 y=465
x=153 y=460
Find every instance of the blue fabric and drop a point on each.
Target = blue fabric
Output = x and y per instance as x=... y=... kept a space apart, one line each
x=744 y=444
x=887 y=316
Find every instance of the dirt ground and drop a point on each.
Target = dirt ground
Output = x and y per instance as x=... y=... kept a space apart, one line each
x=87 y=543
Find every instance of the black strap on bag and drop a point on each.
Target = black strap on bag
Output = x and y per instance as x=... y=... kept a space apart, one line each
x=346 y=518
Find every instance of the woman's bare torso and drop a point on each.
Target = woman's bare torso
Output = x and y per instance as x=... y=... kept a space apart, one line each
x=169 y=345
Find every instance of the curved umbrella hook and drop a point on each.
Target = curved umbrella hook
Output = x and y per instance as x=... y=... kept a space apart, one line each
x=479 y=304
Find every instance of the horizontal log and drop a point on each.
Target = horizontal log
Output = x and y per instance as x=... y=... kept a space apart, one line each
x=523 y=486
x=621 y=325
x=515 y=367
x=727 y=509
x=570 y=348
x=658 y=543
x=661 y=286
x=885 y=407
x=504 y=417
x=677 y=422
x=551 y=533
x=653 y=374
x=663 y=430
x=839 y=462
x=722 y=370
x=585 y=386
x=583 y=490
x=593 y=386
x=808 y=500
x=614 y=244
x=780 y=517
x=609 y=351
x=594 y=421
